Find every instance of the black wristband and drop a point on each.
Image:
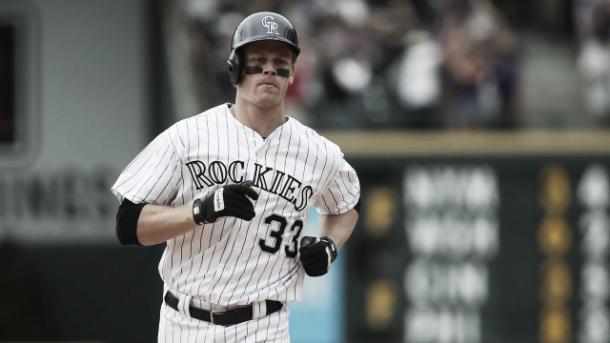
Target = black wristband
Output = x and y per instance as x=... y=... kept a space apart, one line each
x=197 y=212
x=333 y=247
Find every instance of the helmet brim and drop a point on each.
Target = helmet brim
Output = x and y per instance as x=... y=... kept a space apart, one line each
x=295 y=49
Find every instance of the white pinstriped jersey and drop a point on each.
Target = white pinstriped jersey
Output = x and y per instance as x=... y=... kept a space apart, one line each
x=232 y=261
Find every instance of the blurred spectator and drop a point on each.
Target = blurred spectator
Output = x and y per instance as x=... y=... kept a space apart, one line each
x=507 y=72
x=465 y=68
x=418 y=84
x=594 y=62
x=481 y=66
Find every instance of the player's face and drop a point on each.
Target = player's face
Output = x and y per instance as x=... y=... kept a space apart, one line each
x=267 y=89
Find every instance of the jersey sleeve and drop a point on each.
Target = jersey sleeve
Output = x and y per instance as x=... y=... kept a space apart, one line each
x=153 y=175
x=342 y=193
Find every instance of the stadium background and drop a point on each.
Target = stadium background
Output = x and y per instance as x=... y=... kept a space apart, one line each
x=478 y=129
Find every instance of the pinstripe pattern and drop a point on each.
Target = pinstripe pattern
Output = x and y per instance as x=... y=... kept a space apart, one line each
x=224 y=263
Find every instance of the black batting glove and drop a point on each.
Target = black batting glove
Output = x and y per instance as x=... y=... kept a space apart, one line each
x=227 y=201
x=317 y=254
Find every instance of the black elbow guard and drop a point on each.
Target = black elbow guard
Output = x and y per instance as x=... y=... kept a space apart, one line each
x=127 y=222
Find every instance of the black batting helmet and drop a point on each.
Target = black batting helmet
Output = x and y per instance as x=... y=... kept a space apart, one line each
x=257 y=27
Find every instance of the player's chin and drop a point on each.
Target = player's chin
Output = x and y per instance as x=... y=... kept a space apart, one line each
x=269 y=100
x=270 y=92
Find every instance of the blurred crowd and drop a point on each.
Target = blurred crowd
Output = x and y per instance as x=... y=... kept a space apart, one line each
x=387 y=64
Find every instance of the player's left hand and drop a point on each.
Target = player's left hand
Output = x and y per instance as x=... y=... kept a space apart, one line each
x=317 y=254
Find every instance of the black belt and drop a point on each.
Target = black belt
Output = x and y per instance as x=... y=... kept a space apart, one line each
x=224 y=318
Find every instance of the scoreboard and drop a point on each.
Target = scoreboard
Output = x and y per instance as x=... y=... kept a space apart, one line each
x=480 y=249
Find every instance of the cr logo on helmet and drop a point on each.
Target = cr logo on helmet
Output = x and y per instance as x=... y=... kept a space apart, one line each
x=270 y=24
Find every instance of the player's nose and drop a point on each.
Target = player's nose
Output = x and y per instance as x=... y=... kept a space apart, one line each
x=268 y=69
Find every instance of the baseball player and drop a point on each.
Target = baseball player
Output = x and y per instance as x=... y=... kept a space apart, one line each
x=228 y=190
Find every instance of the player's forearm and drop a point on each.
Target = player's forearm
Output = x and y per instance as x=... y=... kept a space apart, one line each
x=339 y=227
x=158 y=224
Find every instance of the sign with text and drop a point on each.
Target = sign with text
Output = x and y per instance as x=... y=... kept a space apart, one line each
x=498 y=250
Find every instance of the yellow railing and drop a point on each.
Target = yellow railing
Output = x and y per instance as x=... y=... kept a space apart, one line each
x=534 y=142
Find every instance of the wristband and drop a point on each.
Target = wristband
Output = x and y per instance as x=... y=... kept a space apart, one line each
x=332 y=247
x=197 y=212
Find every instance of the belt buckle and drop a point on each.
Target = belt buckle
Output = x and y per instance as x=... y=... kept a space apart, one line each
x=216 y=313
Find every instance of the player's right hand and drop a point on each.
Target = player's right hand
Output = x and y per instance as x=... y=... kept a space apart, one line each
x=228 y=201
